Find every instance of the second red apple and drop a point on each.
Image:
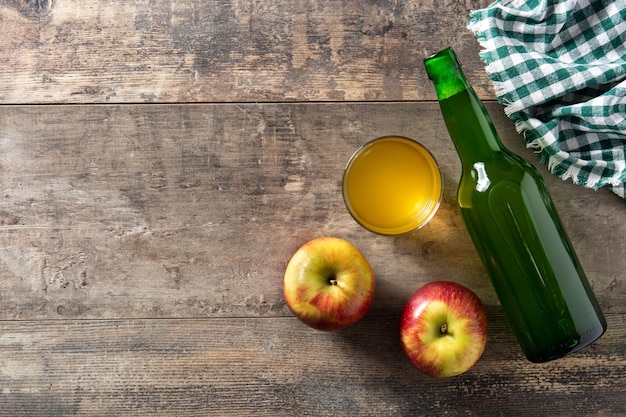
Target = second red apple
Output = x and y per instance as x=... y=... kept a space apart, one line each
x=443 y=329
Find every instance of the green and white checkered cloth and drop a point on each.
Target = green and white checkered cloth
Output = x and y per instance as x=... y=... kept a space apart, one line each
x=559 y=68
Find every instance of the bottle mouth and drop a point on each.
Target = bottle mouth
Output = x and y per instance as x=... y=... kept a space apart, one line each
x=444 y=70
x=438 y=60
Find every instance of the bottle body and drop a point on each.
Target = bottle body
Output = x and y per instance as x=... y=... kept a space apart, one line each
x=518 y=235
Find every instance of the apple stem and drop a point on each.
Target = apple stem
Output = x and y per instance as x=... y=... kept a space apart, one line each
x=332 y=281
x=444 y=328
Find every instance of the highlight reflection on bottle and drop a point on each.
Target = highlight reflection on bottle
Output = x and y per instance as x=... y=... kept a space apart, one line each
x=515 y=228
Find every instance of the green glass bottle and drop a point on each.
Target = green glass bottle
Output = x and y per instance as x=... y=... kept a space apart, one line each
x=515 y=228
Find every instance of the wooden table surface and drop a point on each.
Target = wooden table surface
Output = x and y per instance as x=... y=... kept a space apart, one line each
x=162 y=160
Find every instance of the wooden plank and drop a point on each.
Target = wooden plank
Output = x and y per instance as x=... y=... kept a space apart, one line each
x=80 y=51
x=143 y=211
x=279 y=367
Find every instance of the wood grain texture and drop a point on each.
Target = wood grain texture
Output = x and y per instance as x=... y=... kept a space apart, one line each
x=194 y=210
x=142 y=245
x=67 y=51
x=278 y=367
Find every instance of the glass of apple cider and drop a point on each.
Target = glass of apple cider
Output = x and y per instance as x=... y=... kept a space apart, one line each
x=392 y=185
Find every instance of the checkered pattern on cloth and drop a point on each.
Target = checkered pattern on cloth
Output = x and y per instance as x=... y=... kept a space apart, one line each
x=559 y=68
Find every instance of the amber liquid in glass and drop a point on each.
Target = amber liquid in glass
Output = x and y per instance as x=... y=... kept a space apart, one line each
x=392 y=185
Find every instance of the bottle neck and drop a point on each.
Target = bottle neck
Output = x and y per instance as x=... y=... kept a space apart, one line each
x=467 y=120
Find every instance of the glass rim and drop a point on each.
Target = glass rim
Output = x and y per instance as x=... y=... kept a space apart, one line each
x=432 y=210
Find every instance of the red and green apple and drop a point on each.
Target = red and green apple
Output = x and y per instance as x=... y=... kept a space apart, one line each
x=329 y=284
x=443 y=329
